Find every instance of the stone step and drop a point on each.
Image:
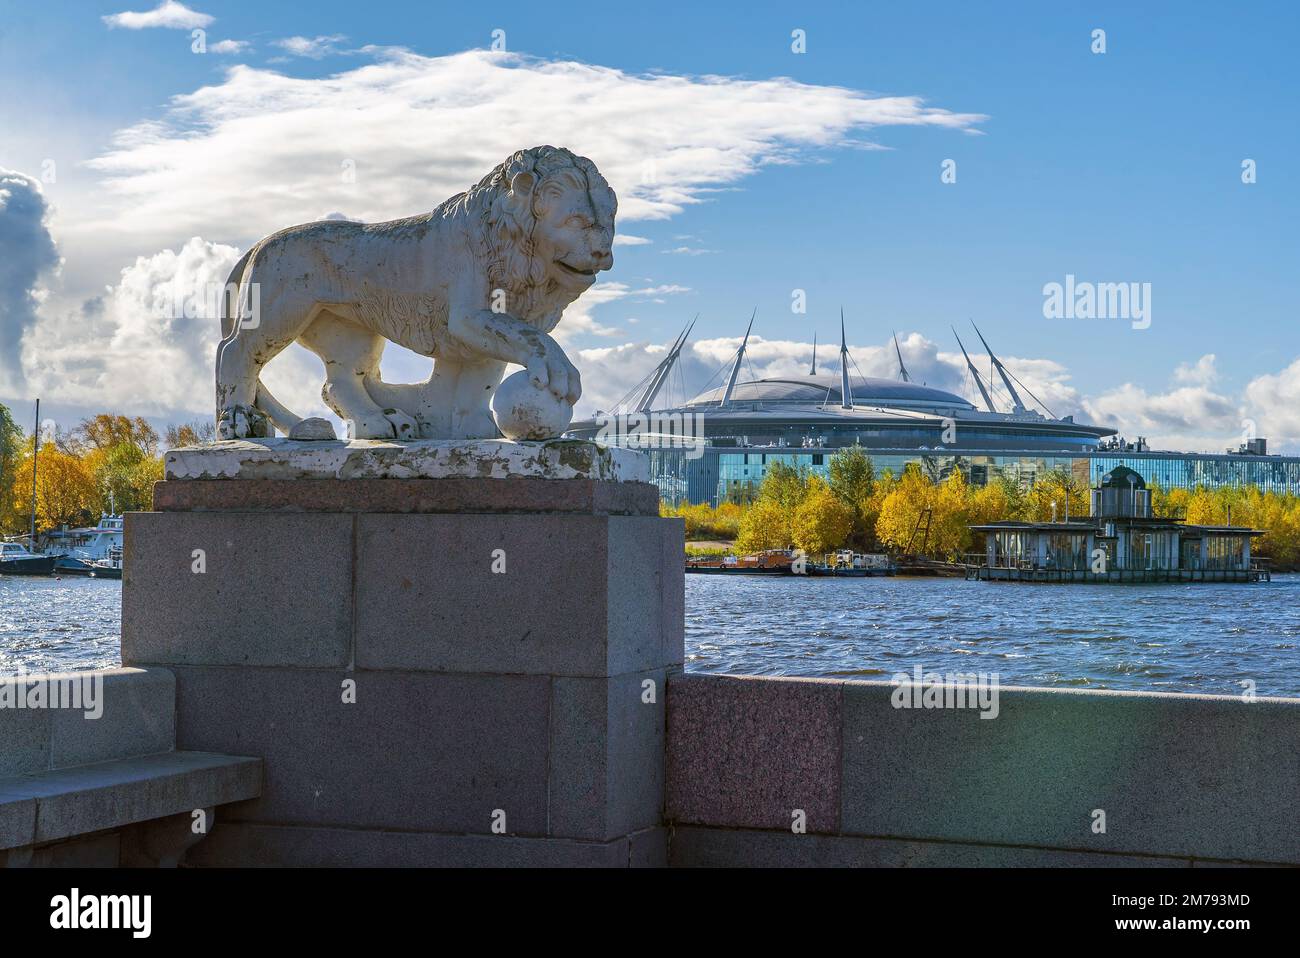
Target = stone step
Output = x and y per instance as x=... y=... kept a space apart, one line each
x=61 y=803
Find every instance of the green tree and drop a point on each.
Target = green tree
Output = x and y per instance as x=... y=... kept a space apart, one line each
x=853 y=481
x=785 y=485
x=124 y=476
x=11 y=457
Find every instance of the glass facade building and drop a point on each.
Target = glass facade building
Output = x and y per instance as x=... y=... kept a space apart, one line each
x=802 y=421
x=734 y=474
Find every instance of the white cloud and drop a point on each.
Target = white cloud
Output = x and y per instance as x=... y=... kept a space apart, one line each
x=687 y=251
x=579 y=321
x=169 y=15
x=1273 y=403
x=627 y=239
x=147 y=345
x=313 y=48
x=27 y=254
x=230 y=47
x=1185 y=417
x=269 y=149
x=1201 y=373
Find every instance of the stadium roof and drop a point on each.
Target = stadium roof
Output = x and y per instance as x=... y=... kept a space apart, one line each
x=819 y=390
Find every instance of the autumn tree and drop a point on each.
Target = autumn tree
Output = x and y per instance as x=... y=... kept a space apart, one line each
x=903 y=507
x=704 y=521
x=105 y=430
x=65 y=490
x=1058 y=487
x=949 y=519
x=766 y=525
x=189 y=434
x=997 y=501
x=823 y=521
x=852 y=481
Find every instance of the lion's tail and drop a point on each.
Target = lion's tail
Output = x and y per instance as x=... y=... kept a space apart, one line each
x=230 y=298
x=284 y=418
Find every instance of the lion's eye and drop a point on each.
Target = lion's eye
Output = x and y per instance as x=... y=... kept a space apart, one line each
x=576 y=222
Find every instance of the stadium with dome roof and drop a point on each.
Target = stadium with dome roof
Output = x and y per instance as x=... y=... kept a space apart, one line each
x=743 y=427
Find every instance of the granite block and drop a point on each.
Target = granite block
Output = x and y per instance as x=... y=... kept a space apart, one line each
x=277 y=589
x=748 y=752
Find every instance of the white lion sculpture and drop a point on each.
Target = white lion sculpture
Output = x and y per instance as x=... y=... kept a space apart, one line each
x=476 y=284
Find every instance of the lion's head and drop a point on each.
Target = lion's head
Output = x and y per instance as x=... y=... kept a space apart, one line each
x=546 y=227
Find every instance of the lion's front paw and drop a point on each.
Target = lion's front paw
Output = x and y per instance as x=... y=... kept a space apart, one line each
x=404 y=427
x=393 y=424
x=243 y=422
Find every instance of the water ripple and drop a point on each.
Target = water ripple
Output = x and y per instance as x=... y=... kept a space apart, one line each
x=1169 y=638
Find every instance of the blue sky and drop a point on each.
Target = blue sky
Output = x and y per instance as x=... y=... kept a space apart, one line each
x=1115 y=167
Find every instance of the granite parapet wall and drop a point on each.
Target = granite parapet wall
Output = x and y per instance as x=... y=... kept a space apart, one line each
x=1180 y=779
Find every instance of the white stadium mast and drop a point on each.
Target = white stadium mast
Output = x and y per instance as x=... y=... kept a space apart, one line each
x=1016 y=405
x=740 y=357
x=660 y=375
x=846 y=394
x=979 y=380
x=902 y=370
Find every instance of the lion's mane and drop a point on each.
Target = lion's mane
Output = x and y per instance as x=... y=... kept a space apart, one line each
x=502 y=227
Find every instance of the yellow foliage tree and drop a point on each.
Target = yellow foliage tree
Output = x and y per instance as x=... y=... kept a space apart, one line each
x=822 y=521
x=1058 y=487
x=765 y=526
x=65 y=490
x=949 y=534
x=991 y=503
x=902 y=508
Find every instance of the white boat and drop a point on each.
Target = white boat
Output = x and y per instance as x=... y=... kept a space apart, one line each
x=95 y=551
x=17 y=559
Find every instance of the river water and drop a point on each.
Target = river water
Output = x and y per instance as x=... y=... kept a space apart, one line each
x=1169 y=638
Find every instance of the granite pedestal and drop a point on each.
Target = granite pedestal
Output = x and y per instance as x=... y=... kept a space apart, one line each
x=445 y=653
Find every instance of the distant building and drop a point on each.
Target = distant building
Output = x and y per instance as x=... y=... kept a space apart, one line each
x=804 y=420
x=1120 y=542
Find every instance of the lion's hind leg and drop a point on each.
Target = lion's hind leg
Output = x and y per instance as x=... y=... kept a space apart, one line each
x=238 y=368
x=351 y=355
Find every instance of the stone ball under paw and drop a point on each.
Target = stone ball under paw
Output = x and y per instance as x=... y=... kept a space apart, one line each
x=308 y=430
x=524 y=411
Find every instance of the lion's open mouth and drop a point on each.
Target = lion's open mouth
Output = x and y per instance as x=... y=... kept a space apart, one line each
x=575 y=271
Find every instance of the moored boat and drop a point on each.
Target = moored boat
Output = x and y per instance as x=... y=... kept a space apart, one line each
x=768 y=562
x=94 y=552
x=16 y=559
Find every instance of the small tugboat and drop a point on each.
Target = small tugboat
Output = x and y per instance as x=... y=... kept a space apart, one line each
x=854 y=565
x=15 y=559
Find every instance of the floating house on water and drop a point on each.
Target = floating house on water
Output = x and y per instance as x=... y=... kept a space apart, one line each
x=1120 y=542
